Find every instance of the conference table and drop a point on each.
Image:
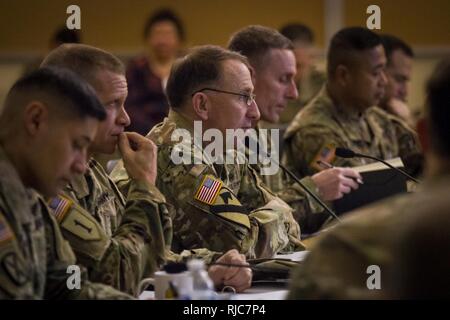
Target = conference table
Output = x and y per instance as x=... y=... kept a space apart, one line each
x=256 y=292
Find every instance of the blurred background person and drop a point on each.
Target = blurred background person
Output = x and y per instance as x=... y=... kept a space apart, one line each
x=147 y=74
x=309 y=80
x=60 y=36
x=399 y=65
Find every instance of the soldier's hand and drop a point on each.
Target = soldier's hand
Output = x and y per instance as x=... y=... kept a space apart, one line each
x=333 y=183
x=139 y=156
x=401 y=109
x=238 y=278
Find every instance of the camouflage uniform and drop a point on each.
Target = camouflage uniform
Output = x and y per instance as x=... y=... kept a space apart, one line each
x=322 y=126
x=120 y=241
x=34 y=256
x=337 y=267
x=241 y=213
x=308 y=88
x=289 y=191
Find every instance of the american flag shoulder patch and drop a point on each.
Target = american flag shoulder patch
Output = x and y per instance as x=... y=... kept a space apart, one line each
x=6 y=233
x=325 y=154
x=59 y=206
x=208 y=190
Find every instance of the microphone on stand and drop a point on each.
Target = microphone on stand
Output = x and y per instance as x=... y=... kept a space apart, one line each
x=347 y=153
x=305 y=188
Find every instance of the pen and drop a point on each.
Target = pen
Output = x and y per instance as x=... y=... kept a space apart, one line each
x=327 y=165
x=324 y=164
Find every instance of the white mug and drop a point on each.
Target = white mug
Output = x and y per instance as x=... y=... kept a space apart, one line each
x=181 y=282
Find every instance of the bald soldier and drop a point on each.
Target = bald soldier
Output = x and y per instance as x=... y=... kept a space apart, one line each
x=122 y=238
x=341 y=114
x=219 y=205
x=403 y=240
x=49 y=119
x=272 y=59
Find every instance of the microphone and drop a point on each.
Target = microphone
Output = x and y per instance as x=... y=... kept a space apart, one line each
x=177 y=267
x=305 y=188
x=347 y=153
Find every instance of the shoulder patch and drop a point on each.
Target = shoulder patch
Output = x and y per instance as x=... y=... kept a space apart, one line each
x=81 y=224
x=6 y=234
x=15 y=268
x=208 y=190
x=60 y=205
x=325 y=154
x=230 y=208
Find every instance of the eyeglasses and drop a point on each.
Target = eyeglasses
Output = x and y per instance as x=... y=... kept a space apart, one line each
x=249 y=98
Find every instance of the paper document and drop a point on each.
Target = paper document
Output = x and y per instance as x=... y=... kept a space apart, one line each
x=296 y=256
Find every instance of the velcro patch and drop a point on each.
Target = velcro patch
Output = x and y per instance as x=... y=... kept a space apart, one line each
x=6 y=233
x=325 y=154
x=15 y=268
x=60 y=205
x=82 y=224
x=230 y=208
x=208 y=190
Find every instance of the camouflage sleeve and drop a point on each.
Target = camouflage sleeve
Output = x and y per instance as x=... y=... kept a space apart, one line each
x=311 y=144
x=134 y=251
x=60 y=282
x=120 y=177
x=15 y=279
x=293 y=194
x=409 y=147
x=337 y=266
x=271 y=213
x=303 y=204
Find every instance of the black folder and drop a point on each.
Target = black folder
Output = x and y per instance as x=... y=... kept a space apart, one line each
x=380 y=182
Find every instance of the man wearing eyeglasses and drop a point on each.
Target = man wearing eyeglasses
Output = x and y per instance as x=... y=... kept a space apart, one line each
x=272 y=59
x=218 y=206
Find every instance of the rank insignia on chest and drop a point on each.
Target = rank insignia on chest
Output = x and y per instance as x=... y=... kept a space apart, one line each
x=208 y=190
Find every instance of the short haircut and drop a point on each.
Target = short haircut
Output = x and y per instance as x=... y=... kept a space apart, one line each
x=392 y=43
x=164 y=15
x=65 y=93
x=84 y=60
x=254 y=42
x=438 y=107
x=346 y=44
x=298 y=32
x=202 y=66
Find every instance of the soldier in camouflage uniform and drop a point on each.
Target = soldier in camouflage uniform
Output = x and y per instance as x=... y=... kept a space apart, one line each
x=399 y=67
x=273 y=62
x=121 y=240
x=406 y=236
x=45 y=115
x=342 y=116
x=239 y=211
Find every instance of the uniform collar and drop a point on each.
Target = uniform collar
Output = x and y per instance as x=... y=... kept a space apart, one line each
x=354 y=123
x=182 y=121
x=79 y=183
